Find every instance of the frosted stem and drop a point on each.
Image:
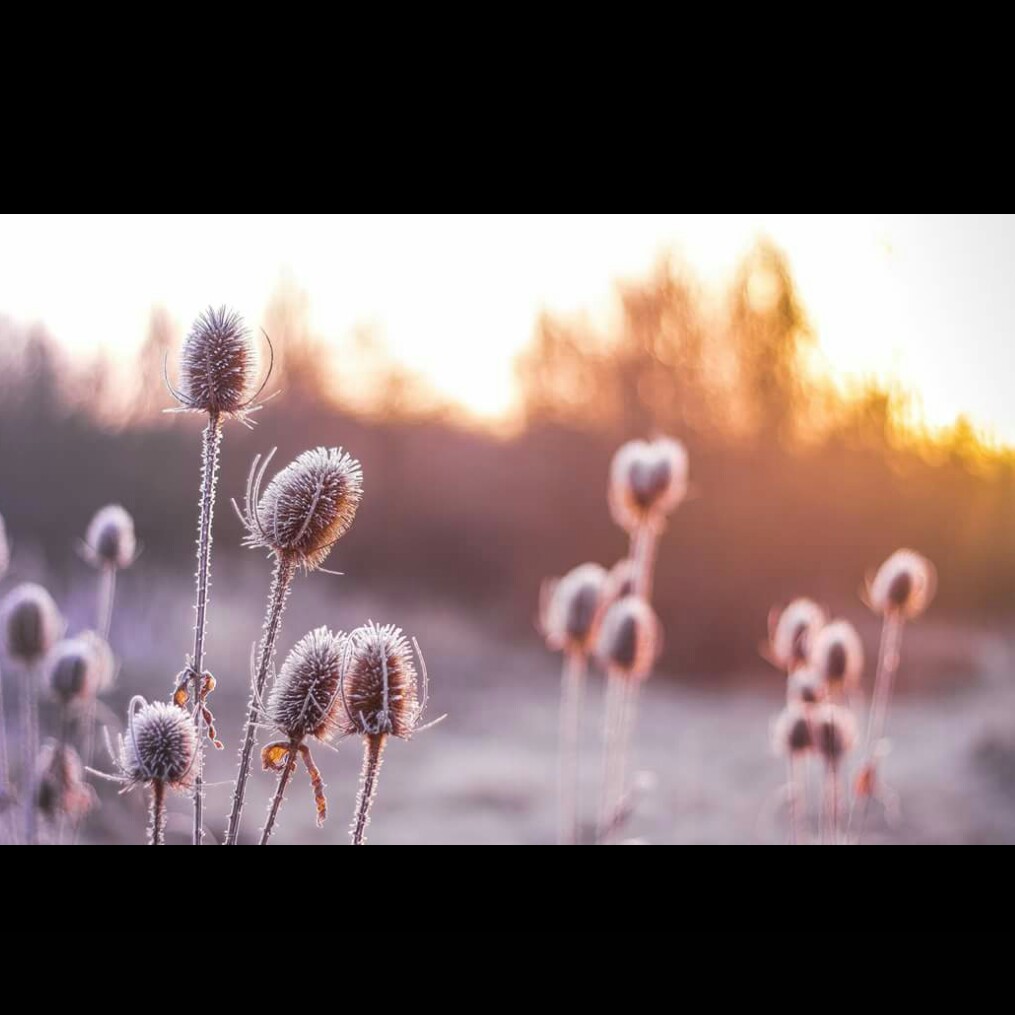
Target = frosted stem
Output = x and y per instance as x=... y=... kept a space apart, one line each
x=373 y=749
x=157 y=831
x=107 y=596
x=30 y=748
x=572 y=684
x=612 y=707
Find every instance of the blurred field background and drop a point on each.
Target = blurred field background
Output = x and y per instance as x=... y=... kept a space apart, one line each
x=799 y=488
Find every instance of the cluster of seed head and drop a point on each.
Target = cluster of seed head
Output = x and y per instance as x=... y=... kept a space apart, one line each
x=110 y=540
x=79 y=668
x=648 y=480
x=31 y=623
x=160 y=745
x=61 y=788
x=306 y=508
x=218 y=365
x=572 y=608
x=793 y=632
x=629 y=638
x=903 y=586
x=305 y=699
x=380 y=687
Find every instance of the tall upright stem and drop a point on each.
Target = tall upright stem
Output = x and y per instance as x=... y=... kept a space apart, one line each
x=283 y=781
x=373 y=749
x=157 y=832
x=612 y=715
x=572 y=684
x=5 y=770
x=281 y=584
x=211 y=443
x=644 y=544
x=793 y=773
x=30 y=748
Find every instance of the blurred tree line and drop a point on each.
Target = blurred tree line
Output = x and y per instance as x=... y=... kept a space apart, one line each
x=798 y=488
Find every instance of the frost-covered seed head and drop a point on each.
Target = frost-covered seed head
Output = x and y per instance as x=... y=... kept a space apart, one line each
x=806 y=686
x=793 y=634
x=573 y=608
x=648 y=479
x=834 y=730
x=31 y=623
x=307 y=507
x=904 y=585
x=110 y=541
x=79 y=668
x=837 y=653
x=160 y=743
x=791 y=732
x=62 y=790
x=218 y=364
x=304 y=699
x=629 y=638
x=5 y=549
x=380 y=693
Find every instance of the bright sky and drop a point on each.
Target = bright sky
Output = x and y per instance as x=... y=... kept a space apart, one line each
x=926 y=300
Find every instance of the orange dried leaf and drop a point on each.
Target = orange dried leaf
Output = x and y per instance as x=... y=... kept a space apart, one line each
x=274 y=757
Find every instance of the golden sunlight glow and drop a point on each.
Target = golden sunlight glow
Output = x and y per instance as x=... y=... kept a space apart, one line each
x=924 y=301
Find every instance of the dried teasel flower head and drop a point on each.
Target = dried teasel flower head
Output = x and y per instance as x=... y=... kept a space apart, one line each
x=31 y=623
x=306 y=508
x=630 y=638
x=571 y=608
x=837 y=654
x=791 y=634
x=806 y=686
x=380 y=691
x=834 y=731
x=218 y=365
x=160 y=744
x=648 y=479
x=79 y=668
x=791 y=732
x=5 y=549
x=61 y=787
x=304 y=699
x=110 y=540
x=904 y=585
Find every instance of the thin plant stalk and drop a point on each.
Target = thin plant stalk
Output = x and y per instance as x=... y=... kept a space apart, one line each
x=106 y=598
x=281 y=585
x=644 y=546
x=5 y=770
x=612 y=716
x=628 y=709
x=571 y=689
x=373 y=751
x=157 y=832
x=211 y=444
x=30 y=749
x=830 y=806
x=283 y=781
x=797 y=801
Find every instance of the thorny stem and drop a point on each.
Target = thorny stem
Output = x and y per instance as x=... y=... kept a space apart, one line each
x=373 y=749
x=30 y=748
x=211 y=443
x=281 y=583
x=572 y=685
x=283 y=781
x=107 y=595
x=157 y=831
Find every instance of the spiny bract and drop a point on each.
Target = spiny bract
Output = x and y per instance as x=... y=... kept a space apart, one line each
x=629 y=638
x=31 y=622
x=218 y=364
x=160 y=743
x=304 y=700
x=572 y=608
x=110 y=540
x=380 y=693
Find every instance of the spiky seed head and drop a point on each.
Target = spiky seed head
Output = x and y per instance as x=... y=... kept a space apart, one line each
x=62 y=790
x=648 y=479
x=5 y=549
x=806 y=686
x=791 y=637
x=629 y=638
x=904 y=585
x=110 y=540
x=573 y=607
x=307 y=507
x=31 y=623
x=380 y=692
x=79 y=668
x=834 y=730
x=791 y=732
x=218 y=364
x=304 y=700
x=160 y=743
x=837 y=654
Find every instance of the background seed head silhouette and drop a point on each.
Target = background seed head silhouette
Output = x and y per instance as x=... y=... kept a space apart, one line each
x=834 y=730
x=904 y=585
x=79 y=668
x=806 y=686
x=837 y=654
x=218 y=364
x=61 y=787
x=791 y=732
x=648 y=479
x=110 y=540
x=304 y=699
x=31 y=623
x=573 y=607
x=160 y=743
x=630 y=637
x=793 y=635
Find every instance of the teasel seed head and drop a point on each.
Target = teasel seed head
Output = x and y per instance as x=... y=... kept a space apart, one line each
x=160 y=745
x=834 y=730
x=791 y=732
x=648 y=480
x=904 y=585
x=304 y=699
x=630 y=638
x=31 y=623
x=110 y=540
x=792 y=634
x=306 y=508
x=837 y=654
x=61 y=788
x=5 y=549
x=806 y=686
x=571 y=609
x=379 y=691
x=80 y=668
x=218 y=365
